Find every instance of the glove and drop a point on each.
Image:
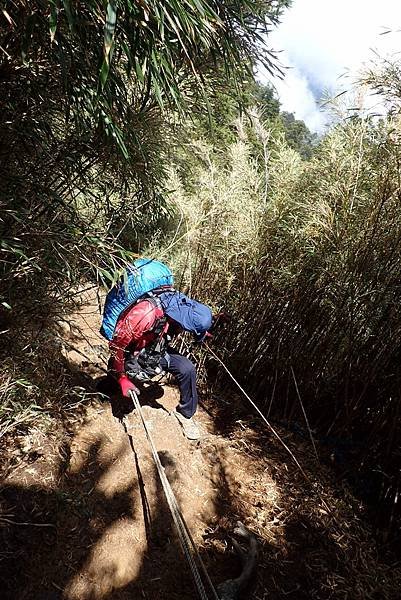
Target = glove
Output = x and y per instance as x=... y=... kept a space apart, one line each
x=204 y=337
x=127 y=386
x=207 y=338
x=221 y=318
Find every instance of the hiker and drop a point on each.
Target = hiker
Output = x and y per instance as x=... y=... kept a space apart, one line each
x=140 y=347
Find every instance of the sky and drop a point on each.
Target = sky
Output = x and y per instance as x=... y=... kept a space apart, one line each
x=324 y=44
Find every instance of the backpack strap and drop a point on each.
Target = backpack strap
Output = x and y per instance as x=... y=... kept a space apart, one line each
x=159 y=328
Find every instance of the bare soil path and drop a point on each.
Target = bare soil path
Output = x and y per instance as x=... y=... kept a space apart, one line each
x=83 y=515
x=111 y=533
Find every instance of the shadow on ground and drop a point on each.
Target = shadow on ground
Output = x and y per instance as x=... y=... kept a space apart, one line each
x=60 y=520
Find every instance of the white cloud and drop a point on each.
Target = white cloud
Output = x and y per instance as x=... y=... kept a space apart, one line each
x=322 y=40
x=296 y=97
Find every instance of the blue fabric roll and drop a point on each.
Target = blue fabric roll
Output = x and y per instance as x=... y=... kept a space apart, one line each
x=193 y=316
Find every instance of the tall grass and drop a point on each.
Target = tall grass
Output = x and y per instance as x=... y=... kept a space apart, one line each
x=218 y=214
x=306 y=256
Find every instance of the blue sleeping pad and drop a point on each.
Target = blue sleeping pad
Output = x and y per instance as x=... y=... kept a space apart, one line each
x=143 y=276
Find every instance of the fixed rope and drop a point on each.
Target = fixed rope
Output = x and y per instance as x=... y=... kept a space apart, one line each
x=274 y=432
x=307 y=478
x=188 y=545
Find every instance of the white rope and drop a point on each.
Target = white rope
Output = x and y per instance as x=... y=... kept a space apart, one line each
x=187 y=543
x=308 y=479
x=274 y=432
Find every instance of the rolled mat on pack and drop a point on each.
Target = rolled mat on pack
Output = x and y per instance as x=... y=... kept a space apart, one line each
x=192 y=315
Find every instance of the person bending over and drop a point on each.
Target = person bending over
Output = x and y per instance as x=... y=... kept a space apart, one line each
x=140 y=348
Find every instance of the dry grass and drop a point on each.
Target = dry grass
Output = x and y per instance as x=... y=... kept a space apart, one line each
x=311 y=278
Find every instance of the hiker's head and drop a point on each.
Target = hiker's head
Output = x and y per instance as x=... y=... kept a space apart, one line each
x=174 y=327
x=191 y=315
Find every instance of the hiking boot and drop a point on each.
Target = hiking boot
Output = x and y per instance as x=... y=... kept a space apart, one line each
x=189 y=427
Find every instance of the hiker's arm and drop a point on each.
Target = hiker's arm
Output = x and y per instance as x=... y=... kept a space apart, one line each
x=219 y=320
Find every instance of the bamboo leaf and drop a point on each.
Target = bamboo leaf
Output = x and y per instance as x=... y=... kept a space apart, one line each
x=104 y=72
x=110 y=26
x=53 y=19
x=157 y=92
x=138 y=71
x=70 y=14
x=109 y=31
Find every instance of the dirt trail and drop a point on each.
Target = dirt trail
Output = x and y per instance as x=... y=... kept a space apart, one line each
x=84 y=517
x=97 y=484
x=114 y=535
x=144 y=532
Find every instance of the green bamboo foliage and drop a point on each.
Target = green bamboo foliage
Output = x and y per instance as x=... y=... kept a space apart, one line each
x=84 y=138
x=95 y=49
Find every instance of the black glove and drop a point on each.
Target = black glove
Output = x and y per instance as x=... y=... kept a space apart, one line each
x=205 y=337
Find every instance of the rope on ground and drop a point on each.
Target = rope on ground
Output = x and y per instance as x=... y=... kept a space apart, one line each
x=274 y=432
x=308 y=479
x=188 y=545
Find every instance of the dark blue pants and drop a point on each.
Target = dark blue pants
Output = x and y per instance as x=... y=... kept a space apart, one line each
x=185 y=373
